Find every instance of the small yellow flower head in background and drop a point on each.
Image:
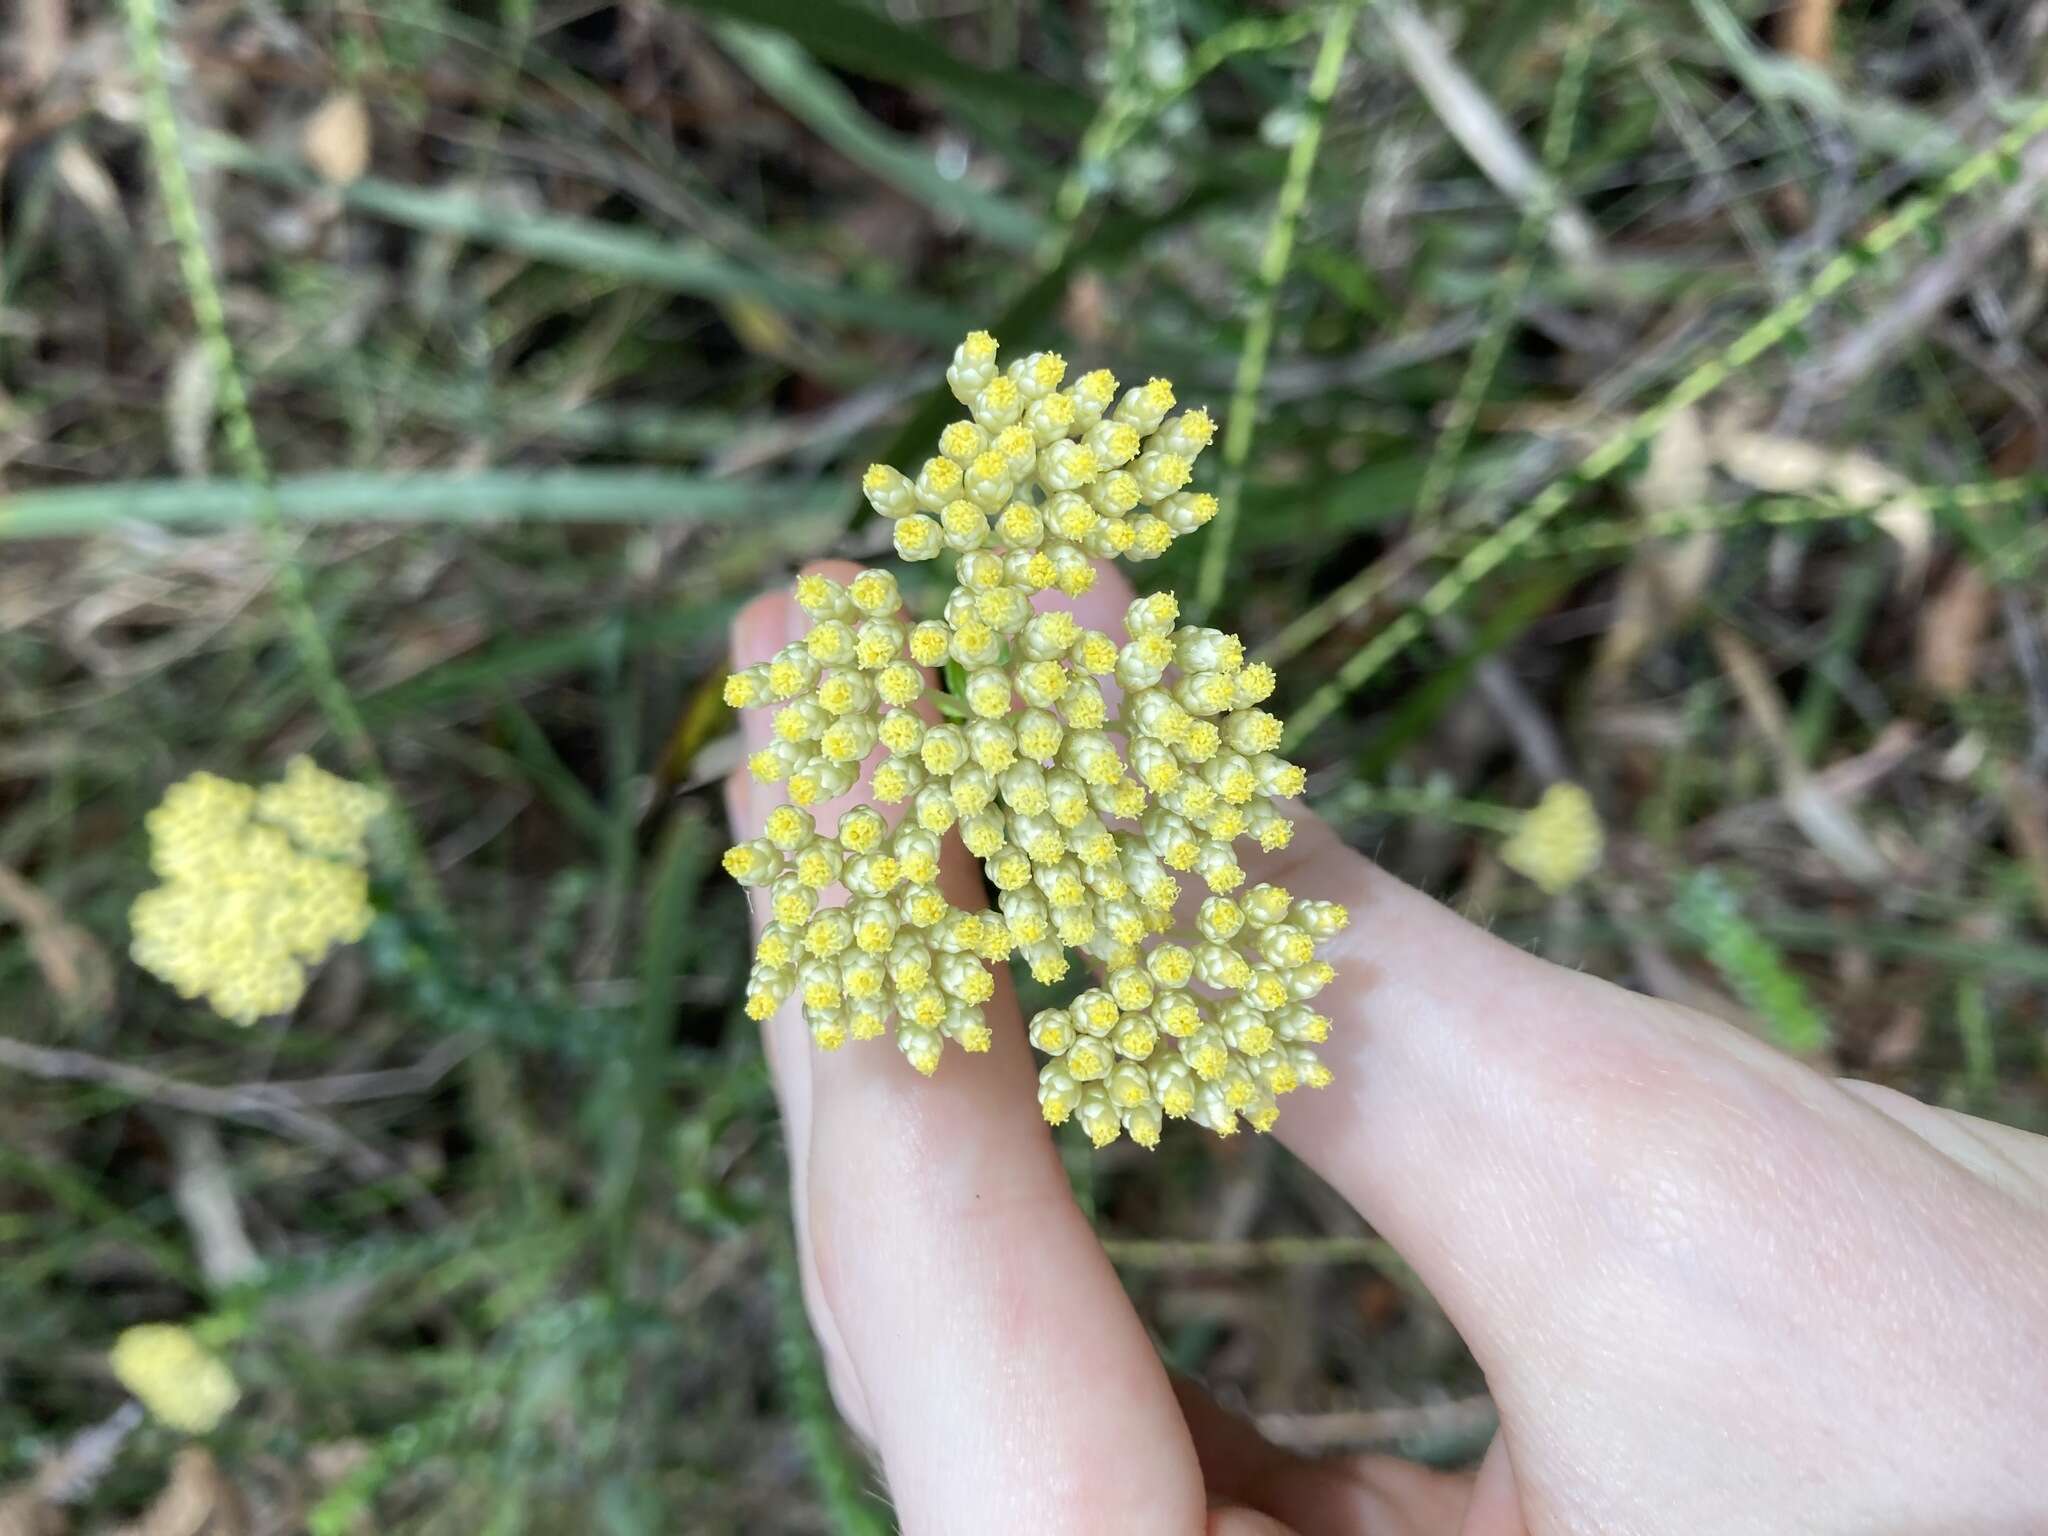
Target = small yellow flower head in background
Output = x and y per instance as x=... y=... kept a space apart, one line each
x=257 y=886
x=183 y=1384
x=1559 y=841
x=1085 y=823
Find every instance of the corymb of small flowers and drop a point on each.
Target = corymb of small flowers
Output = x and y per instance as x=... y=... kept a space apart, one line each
x=1084 y=813
x=257 y=885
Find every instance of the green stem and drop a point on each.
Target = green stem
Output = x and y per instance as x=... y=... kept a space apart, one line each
x=1273 y=264
x=1762 y=337
x=579 y=495
x=245 y=448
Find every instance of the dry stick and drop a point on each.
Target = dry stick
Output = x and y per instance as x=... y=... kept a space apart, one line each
x=1273 y=263
x=1476 y=123
x=1132 y=1253
x=1485 y=557
x=195 y=1098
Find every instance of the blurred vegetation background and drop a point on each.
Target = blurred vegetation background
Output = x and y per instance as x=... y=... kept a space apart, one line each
x=1641 y=393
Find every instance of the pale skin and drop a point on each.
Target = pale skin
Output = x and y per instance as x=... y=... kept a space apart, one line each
x=1712 y=1290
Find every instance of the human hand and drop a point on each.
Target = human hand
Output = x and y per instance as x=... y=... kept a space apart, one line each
x=1711 y=1289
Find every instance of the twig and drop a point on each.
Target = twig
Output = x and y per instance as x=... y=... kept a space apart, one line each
x=1273 y=263
x=1135 y=1253
x=275 y=1106
x=1470 y=118
x=1460 y=1419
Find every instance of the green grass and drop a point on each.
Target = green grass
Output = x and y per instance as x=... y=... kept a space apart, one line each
x=491 y=444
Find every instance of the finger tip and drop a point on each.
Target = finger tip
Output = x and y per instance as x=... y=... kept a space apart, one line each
x=762 y=628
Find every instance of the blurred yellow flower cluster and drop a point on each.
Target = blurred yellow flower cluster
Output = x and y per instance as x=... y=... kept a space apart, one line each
x=1086 y=771
x=182 y=1383
x=257 y=885
x=1559 y=841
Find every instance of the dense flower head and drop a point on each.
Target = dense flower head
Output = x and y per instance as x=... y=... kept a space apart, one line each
x=1104 y=828
x=257 y=886
x=1559 y=841
x=182 y=1383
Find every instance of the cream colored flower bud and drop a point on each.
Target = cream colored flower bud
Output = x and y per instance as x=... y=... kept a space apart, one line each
x=1021 y=528
x=990 y=482
x=964 y=525
x=962 y=442
x=929 y=643
x=917 y=851
x=943 y=750
x=1092 y=395
x=939 y=481
x=1066 y=797
x=842 y=691
x=921 y=906
x=1278 y=777
x=1218 y=868
x=848 y=740
x=755 y=863
x=971 y=788
x=983 y=834
x=1004 y=609
x=1114 y=443
x=901 y=731
x=1083 y=707
x=819 y=865
x=874 y=924
x=1149 y=878
x=896 y=779
x=1150 y=537
x=1246 y=1028
x=1128 y=1084
x=822 y=598
x=932 y=809
x=1066 y=466
x=877 y=643
x=973 y=365
x=1146 y=405
x=998 y=405
x=1093 y=756
x=965 y=979
x=747 y=688
x=875 y=594
x=794 y=670
x=919 y=537
x=1112 y=495
x=993 y=743
x=1322 y=919
x=1073 y=572
x=889 y=491
x=1187 y=434
x=1111 y=539
x=1049 y=419
x=1039 y=374
x=910 y=963
x=1174 y=1085
x=1058 y=1094
x=1255 y=684
x=921 y=1048
x=1160 y=474
x=1069 y=518
x=1187 y=511
x=988 y=692
x=863 y=977
x=1052 y=1031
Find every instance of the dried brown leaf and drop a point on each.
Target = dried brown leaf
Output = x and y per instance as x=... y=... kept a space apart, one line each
x=74 y=967
x=1949 y=640
x=197 y=1501
x=336 y=139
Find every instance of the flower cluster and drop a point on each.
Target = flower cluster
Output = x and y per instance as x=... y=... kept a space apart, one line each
x=1559 y=841
x=182 y=1383
x=1086 y=772
x=257 y=885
